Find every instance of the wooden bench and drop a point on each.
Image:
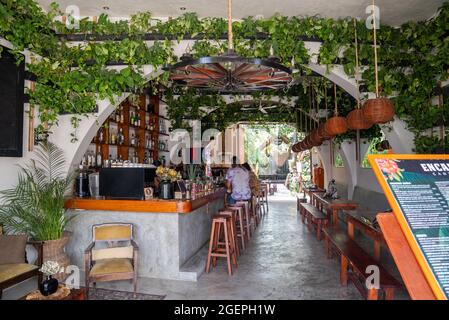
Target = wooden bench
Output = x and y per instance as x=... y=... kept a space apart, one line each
x=299 y=200
x=314 y=217
x=354 y=258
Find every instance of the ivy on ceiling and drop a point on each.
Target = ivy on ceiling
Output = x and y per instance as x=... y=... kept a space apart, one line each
x=70 y=78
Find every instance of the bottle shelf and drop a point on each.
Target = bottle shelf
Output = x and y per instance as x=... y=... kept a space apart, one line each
x=140 y=133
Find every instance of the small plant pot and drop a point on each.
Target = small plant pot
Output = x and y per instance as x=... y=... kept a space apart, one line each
x=166 y=190
x=48 y=286
x=54 y=250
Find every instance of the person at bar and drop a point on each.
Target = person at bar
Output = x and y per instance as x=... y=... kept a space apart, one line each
x=254 y=183
x=237 y=183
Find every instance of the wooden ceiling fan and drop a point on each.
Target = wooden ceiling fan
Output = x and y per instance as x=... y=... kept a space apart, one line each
x=230 y=73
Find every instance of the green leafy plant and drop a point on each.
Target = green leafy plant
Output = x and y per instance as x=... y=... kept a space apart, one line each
x=192 y=171
x=413 y=59
x=35 y=206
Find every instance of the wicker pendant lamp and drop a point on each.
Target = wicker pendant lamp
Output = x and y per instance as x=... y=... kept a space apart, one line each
x=355 y=119
x=336 y=125
x=379 y=109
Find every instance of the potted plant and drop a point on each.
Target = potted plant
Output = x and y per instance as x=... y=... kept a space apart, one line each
x=167 y=176
x=35 y=206
x=50 y=284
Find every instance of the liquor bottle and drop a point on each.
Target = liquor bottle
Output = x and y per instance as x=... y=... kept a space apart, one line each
x=99 y=160
x=101 y=137
x=145 y=158
x=120 y=137
x=113 y=138
x=117 y=116
x=122 y=116
x=133 y=140
x=138 y=120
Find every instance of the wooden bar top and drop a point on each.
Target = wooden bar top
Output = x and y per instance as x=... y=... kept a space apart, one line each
x=153 y=205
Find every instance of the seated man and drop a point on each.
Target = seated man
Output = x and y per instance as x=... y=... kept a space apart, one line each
x=237 y=179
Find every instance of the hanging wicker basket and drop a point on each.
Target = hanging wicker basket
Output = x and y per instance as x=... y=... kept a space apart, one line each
x=323 y=133
x=378 y=110
x=307 y=142
x=336 y=125
x=305 y=145
x=356 y=120
x=316 y=138
x=297 y=147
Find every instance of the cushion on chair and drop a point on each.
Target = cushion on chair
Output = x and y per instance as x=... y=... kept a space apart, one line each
x=108 y=266
x=112 y=231
x=109 y=253
x=12 y=249
x=9 y=271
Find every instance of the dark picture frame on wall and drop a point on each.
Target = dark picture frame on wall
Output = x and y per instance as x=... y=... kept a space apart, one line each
x=12 y=84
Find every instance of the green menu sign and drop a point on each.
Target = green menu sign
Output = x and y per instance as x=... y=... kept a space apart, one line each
x=417 y=188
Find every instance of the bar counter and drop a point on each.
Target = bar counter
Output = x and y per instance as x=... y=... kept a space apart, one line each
x=153 y=205
x=170 y=233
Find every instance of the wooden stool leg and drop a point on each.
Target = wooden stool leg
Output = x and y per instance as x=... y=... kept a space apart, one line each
x=211 y=243
x=234 y=233
x=373 y=294
x=343 y=270
x=389 y=293
x=242 y=228
x=232 y=243
x=248 y=223
x=228 y=253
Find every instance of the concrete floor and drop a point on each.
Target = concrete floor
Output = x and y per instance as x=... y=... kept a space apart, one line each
x=283 y=261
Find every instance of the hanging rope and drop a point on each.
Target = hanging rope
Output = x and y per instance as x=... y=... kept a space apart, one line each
x=230 y=35
x=325 y=98
x=356 y=63
x=335 y=100
x=375 y=51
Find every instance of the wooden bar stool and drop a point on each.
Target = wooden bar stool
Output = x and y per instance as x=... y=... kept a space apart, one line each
x=249 y=216
x=221 y=249
x=258 y=205
x=240 y=224
x=232 y=214
x=246 y=218
x=254 y=210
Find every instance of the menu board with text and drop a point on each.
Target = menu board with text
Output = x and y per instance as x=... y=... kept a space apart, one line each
x=417 y=188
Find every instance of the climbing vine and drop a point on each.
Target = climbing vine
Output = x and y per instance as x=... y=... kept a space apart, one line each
x=70 y=78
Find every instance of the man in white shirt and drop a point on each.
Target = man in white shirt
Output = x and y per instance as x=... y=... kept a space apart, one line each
x=237 y=179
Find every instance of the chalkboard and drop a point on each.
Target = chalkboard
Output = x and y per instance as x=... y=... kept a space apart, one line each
x=417 y=188
x=11 y=105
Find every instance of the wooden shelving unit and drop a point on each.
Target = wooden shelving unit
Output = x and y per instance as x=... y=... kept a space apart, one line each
x=140 y=132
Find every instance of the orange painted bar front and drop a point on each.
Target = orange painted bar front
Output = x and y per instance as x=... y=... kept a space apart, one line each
x=153 y=205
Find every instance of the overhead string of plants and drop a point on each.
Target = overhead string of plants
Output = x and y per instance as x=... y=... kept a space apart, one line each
x=72 y=66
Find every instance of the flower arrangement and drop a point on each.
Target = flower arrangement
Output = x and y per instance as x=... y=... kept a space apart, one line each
x=166 y=173
x=390 y=168
x=50 y=268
